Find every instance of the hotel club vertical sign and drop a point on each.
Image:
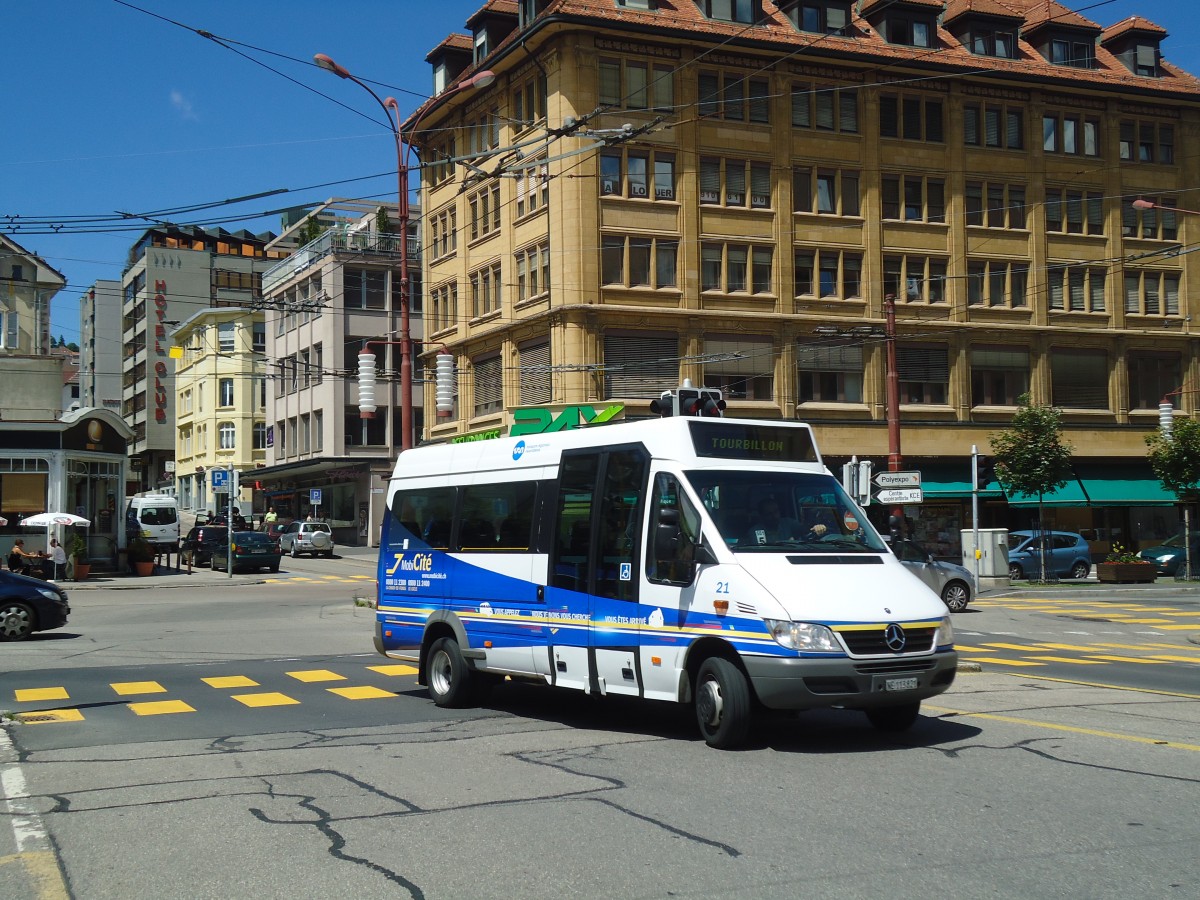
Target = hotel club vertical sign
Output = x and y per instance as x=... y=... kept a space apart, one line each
x=160 y=364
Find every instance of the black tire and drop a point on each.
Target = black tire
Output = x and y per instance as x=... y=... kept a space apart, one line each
x=294 y=552
x=894 y=718
x=1081 y=570
x=329 y=554
x=274 y=568
x=447 y=674
x=1014 y=572
x=17 y=620
x=956 y=596
x=722 y=703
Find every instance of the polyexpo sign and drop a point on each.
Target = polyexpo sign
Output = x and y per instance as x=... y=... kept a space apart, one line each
x=899 y=487
x=898 y=479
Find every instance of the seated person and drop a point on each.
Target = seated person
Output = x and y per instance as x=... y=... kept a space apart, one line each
x=19 y=559
x=771 y=527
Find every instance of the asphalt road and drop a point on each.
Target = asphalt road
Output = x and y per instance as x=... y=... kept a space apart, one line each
x=1011 y=785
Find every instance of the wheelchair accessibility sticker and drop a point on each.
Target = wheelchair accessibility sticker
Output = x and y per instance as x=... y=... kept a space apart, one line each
x=626 y=571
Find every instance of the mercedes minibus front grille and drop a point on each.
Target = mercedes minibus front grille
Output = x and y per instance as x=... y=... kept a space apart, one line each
x=874 y=642
x=890 y=668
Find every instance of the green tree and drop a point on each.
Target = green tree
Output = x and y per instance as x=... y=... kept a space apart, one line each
x=383 y=224
x=1175 y=458
x=1032 y=458
x=310 y=231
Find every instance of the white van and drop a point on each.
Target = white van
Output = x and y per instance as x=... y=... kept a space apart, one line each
x=708 y=561
x=154 y=518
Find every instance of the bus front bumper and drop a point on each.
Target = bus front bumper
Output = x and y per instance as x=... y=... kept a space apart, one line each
x=806 y=683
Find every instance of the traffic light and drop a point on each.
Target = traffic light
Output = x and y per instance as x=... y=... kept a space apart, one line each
x=985 y=469
x=711 y=402
x=700 y=402
x=664 y=406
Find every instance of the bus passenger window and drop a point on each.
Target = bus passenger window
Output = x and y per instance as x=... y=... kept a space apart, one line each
x=674 y=533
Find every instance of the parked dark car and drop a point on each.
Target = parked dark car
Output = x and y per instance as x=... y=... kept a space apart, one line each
x=197 y=548
x=1067 y=554
x=1168 y=557
x=28 y=605
x=251 y=550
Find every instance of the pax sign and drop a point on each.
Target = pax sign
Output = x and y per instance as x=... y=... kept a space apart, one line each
x=160 y=364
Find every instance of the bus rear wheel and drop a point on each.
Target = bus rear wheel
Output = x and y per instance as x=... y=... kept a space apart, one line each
x=722 y=700
x=447 y=674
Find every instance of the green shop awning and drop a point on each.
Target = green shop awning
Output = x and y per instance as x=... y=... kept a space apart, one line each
x=1123 y=485
x=1071 y=494
x=952 y=481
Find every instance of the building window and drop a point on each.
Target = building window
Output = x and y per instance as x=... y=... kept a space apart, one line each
x=914 y=198
x=924 y=374
x=259 y=337
x=741 y=368
x=824 y=17
x=225 y=392
x=227 y=432
x=995 y=205
x=829 y=373
x=1151 y=293
x=1070 y=133
x=318 y=357
x=364 y=288
x=443 y=233
x=1147 y=142
x=1152 y=376
x=832 y=192
x=911 y=118
x=303 y=439
x=990 y=42
x=1074 y=212
x=1160 y=222
x=1076 y=288
x=483 y=132
x=636 y=84
x=994 y=283
x=997 y=127
x=533 y=189
x=485 y=290
x=440 y=169
x=638 y=363
x=485 y=211
x=260 y=435
x=488 y=382
x=226 y=337
x=635 y=261
x=536 y=377
x=1079 y=378
x=529 y=102
x=735 y=268
x=533 y=272
x=829 y=274
x=825 y=108
x=1073 y=52
x=735 y=182
x=735 y=97
x=745 y=11
x=638 y=175
x=443 y=303
x=915 y=279
x=318 y=431
x=999 y=375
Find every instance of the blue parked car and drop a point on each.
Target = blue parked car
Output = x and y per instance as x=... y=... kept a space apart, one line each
x=1067 y=554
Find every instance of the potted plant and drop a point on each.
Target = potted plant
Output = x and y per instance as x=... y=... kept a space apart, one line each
x=78 y=552
x=1123 y=566
x=141 y=556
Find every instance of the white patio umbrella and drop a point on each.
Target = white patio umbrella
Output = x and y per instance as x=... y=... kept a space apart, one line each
x=48 y=520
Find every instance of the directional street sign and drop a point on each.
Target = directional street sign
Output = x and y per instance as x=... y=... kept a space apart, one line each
x=898 y=479
x=900 y=495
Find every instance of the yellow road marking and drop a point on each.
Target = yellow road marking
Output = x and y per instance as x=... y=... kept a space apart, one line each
x=1187 y=659
x=1112 y=687
x=160 y=707
x=1140 y=621
x=362 y=577
x=1072 y=729
x=1080 y=647
x=394 y=670
x=311 y=675
x=1005 y=662
x=43 y=871
x=1181 y=615
x=49 y=716
x=366 y=692
x=268 y=699
x=1124 y=646
x=228 y=681
x=1011 y=646
x=126 y=688
x=1070 y=659
x=1195 y=627
x=28 y=695
x=1125 y=659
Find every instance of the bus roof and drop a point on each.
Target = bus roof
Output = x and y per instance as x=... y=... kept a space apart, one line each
x=701 y=441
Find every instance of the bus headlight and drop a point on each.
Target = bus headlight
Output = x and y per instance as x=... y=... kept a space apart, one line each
x=945 y=634
x=803 y=636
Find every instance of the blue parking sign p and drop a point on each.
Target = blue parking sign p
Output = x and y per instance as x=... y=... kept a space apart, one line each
x=314 y=496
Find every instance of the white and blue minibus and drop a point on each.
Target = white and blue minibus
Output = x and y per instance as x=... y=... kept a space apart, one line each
x=707 y=561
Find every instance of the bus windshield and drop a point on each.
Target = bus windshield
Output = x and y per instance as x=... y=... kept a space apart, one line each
x=791 y=512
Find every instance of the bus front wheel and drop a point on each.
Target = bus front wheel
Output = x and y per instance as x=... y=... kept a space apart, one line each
x=447 y=674
x=722 y=703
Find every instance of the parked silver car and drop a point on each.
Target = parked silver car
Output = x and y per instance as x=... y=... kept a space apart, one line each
x=307 y=537
x=951 y=582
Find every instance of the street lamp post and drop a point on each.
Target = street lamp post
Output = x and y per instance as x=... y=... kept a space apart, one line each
x=391 y=109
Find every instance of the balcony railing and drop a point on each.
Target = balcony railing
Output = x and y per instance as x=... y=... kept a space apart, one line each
x=336 y=241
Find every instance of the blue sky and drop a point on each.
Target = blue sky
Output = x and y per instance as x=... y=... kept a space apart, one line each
x=109 y=108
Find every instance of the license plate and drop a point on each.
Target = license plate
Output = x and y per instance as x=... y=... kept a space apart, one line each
x=900 y=684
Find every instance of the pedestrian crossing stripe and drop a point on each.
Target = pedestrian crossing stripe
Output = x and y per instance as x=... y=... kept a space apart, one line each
x=1004 y=662
x=31 y=694
x=363 y=692
x=1067 y=659
x=394 y=670
x=129 y=688
x=49 y=716
x=1186 y=659
x=267 y=699
x=230 y=681
x=159 y=707
x=1127 y=659
x=312 y=675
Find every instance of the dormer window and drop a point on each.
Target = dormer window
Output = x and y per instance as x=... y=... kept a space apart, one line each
x=483 y=47
x=1145 y=59
x=1073 y=52
x=441 y=77
x=1135 y=42
x=636 y=4
x=911 y=31
x=820 y=16
x=1000 y=44
x=744 y=11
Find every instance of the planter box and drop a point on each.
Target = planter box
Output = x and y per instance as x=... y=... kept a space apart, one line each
x=1126 y=573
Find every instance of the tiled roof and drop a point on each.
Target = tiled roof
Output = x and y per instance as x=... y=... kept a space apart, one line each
x=1046 y=12
x=1133 y=24
x=500 y=7
x=957 y=8
x=454 y=41
x=868 y=6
